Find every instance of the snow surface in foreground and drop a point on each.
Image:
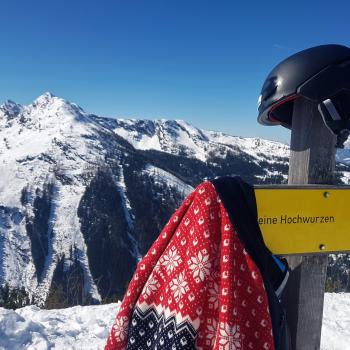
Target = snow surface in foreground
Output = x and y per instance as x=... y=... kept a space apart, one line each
x=336 y=322
x=87 y=327
x=78 y=328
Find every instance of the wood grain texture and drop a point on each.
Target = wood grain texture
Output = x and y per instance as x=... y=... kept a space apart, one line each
x=312 y=161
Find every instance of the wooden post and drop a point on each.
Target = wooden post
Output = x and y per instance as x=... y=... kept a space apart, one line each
x=312 y=161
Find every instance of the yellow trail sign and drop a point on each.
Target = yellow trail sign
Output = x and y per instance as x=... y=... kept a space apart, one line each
x=304 y=219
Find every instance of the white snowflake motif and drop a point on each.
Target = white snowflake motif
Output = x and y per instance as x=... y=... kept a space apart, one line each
x=171 y=260
x=158 y=269
x=151 y=285
x=229 y=337
x=211 y=332
x=120 y=328
x=200 y=266
x=214 y=295
x=179 y=286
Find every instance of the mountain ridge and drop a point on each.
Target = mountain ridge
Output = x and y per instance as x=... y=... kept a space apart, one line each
x=82 y=197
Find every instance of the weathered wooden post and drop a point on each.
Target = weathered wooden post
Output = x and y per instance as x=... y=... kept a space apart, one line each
x=312 y=161
x=309 y=92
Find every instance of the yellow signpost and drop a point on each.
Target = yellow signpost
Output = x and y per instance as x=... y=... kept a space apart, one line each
x=304 y=219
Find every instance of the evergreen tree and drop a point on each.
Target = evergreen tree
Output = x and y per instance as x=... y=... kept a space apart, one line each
x=13 y=298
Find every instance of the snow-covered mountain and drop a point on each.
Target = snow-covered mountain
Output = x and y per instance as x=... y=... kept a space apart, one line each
x=82 y=197
x=179 y=137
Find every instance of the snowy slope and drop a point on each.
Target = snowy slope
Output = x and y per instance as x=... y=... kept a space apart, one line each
x=49 y=139
x=178 y=136
x=79 y=327
x=87 y=327
x=164 y=177
x=49 y=152
x=63 y=169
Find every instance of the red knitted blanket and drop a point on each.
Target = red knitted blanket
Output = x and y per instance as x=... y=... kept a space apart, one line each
x=197 y=288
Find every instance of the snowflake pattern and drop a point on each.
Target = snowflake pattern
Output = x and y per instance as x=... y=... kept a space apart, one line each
x=120 y=328
x=158 y=270
x=179 y=286
x=229 y=337
x=200 y=266
x=151 y=286
x=171 y=260
x=211 y=331
x=204 y=294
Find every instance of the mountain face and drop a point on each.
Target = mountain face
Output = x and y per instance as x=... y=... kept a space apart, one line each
x=82 y=197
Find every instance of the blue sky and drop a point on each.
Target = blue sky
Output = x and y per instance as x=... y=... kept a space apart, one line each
x=201 y=61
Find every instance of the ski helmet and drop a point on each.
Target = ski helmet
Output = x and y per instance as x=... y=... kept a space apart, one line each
x=320 y=74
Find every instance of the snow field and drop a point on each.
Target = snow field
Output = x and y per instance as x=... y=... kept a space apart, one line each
x=336 y=322
x=87 y=327
x=75 y=328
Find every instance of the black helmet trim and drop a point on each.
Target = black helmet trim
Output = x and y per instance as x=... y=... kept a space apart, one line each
x=273 y=119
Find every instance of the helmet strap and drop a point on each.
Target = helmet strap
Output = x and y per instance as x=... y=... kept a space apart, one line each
x=334 y=122
x=332 y=109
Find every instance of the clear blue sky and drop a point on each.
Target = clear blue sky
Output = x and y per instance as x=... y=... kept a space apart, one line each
x=202 y=61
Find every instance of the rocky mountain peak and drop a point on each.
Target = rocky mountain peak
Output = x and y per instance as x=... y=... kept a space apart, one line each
x=44 y=98
x=11 y=108
x=47 y=100
x=49 y=105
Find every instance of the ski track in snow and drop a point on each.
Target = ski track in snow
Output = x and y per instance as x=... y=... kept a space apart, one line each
x=87 y=327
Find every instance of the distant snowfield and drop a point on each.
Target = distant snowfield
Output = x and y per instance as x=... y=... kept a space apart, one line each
x=87 y=327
